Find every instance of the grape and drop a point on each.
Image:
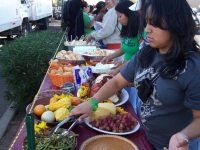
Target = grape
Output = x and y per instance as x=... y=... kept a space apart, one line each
x=115 y=123
x=127 y=129
x=108 y=128
x=114 y=130
x=121 y=126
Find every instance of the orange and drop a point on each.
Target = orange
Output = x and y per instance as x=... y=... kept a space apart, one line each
x=39 y=109
x=76 y=101
x=53 y=100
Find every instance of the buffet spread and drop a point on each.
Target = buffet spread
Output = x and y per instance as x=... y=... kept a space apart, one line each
x=72 y=78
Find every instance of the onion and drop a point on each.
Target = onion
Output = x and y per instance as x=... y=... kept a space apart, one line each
x=48 y=116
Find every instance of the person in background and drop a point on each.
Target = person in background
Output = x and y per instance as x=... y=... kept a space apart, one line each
x=90 y=13
x=131 y=39
x=99 y=12
x=76 y=28
x=91 y=10
x=130 y=36
x=88 y=24
x=110 y=31
x=171 y=113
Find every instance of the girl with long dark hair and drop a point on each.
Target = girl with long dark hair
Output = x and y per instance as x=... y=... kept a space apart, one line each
x=129 y=34
x=170 y=114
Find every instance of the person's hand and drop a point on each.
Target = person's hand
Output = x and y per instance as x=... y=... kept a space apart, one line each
x=113 y=72
x=105 y=60
x=118 y=63
x=178 y=142
x=89 y=38
x=83 y=110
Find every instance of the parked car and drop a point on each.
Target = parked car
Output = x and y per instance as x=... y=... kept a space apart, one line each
x=57 y=11
x=57 y=15
x=196 y=17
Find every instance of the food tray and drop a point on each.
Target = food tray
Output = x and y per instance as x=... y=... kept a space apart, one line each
x=95 y=57
x=70 y=47
x=25 y=141
x=47 y=94
x=102 y=69
x=50 y=93
x=108 y=142
x=72 y=62
x=43 y=98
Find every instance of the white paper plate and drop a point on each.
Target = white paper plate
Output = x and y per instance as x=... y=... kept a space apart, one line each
x=124 y=97
x=101 y=69
x=86 y=120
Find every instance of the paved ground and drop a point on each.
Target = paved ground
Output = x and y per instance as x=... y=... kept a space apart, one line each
x=4 y=104
x=5 y=112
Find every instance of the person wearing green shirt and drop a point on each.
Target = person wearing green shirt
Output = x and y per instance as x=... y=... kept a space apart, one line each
x=88 y=24
x=131 y=38
x=130 y=34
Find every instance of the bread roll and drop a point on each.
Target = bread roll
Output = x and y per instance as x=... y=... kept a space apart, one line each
x=59 y=55
x=78 y=56
x=63 y=51
x=67 y=73
x=69 y=52
x=53 y=71
x=67 y=57
x=72 y=57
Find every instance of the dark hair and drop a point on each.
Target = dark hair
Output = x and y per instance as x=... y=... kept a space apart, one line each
x=77 y=25
x=176 y=17
x=91 y=9
x=132 y=28
x=85 y=4
x=100 y=5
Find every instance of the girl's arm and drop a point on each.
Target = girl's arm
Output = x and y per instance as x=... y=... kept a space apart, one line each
x=106 y=91
x=192 y=131
x=117 y=53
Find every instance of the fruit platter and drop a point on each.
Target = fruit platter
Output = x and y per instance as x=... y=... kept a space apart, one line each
x=53 y=106
x=112 y=120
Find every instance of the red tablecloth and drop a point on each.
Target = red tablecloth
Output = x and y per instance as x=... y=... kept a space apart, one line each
x=86 y=132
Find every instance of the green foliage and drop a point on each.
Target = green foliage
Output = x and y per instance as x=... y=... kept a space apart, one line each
x=63 y=27
x=24 y=64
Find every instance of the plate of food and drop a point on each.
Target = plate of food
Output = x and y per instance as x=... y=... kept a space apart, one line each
x=119 y=124
x=118 y=99
x=100 y=68
x=96 y=55
x=123 y=98
x=109 y=142
x=93 y=84
x=43 y=140
x=53 y=106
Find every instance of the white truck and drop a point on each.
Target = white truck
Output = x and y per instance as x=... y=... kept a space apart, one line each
x=18 y=16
